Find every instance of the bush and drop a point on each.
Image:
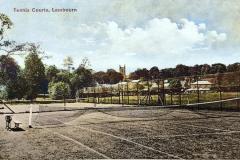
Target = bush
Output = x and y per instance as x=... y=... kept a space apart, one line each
x=59 y=90
x=3 y=92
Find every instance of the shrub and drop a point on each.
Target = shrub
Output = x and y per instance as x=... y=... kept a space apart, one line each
x=59 y=90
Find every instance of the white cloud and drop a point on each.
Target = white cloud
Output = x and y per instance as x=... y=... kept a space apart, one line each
x=156 y=37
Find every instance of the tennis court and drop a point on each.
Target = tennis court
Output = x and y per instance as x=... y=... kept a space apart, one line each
x=108 y=133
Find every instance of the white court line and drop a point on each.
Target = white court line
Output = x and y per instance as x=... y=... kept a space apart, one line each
x=124 y=139
x=79 y=143
x=75 y=141
x=183 y=135
x=121 y=138
x=190 y=125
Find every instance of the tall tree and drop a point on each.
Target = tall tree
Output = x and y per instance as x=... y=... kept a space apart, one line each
x=114 y=76
x=140 y=74
x=34 y=72
x=154 y=72
x=205 y=69
x=218 y=68
x=101 y=77
x=181 y=70
x=11 y=77
x=233 y=67
x=175 y=85
x=51 y=73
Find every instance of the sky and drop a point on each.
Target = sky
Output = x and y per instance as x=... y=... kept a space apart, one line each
x=137 y=33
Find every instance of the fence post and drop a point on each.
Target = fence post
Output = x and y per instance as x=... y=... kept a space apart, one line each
x=111 y=95
x=149 y=94
x=119 y=95
x=164 y=101
x=122 y=95
x=127 y=94
x=180 y=98
x=138 y=94
x=158 y=91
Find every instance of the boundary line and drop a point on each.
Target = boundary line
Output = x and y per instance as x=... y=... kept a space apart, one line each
x=121 y=138
x=182 y=135
x=81 y=144
x=124 y=139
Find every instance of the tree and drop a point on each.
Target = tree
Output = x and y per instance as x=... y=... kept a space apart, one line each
x=154 y=72
x=51 y=73
x=175 y=85
x=101 y=77
x=140 y=74
x=34 y=73
x=233 y=67
x=167 y=73
x=114 y=76
x=9 y=47
x=218 y=68
x=205 y=69
x=181 y=70
x=59 y=90
x=11 y=78
x=82 y=77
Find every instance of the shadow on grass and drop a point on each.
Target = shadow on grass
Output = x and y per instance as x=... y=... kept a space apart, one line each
x=17 y=129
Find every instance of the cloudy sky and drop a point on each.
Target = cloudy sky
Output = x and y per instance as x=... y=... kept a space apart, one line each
x=138 y=33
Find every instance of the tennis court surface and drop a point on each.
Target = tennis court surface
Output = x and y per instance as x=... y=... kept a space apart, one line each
x=154 y=133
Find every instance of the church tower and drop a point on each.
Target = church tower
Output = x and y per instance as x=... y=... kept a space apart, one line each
x=122 y=70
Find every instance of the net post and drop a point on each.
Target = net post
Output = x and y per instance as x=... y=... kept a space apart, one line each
x=30 y=117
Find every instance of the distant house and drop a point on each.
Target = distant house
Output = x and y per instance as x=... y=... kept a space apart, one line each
x=202 y=86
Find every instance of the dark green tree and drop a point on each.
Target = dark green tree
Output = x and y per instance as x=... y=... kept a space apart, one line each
x=34 y=73
x=233 y=67
x=59 y=90
x=114 y=76
x=154 y=72
x=218 y=68
x=11 y=78
x=51 y=73
x=175 y=85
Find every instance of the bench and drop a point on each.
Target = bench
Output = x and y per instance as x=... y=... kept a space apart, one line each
x=17 y=123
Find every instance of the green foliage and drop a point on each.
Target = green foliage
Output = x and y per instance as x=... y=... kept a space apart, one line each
x=51 y=73
x=63 y=76
x=218 y=68
x=5 y=23
x=3 y=92
x=82 y=77
x=233 y=67
x=34 y=73
x=12 y=78
x=109 y=77
x=140 y=74
x=175 y=85
x=59 y=90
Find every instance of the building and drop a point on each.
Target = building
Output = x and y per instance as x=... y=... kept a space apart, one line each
x=122 y=70
x=202 y=86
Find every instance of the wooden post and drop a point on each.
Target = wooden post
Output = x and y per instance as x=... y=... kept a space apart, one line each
x=122 y=94
x=111 y=95
x=138 y=95
x=149 y=94
x=119 y=95
x=163 y=93
x=158 y=91
x=127 y=94
x=180 y=98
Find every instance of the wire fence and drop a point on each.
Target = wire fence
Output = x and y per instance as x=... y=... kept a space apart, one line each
x=159 y=92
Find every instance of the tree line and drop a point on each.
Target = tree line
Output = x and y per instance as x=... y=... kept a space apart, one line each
x=182 y=70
